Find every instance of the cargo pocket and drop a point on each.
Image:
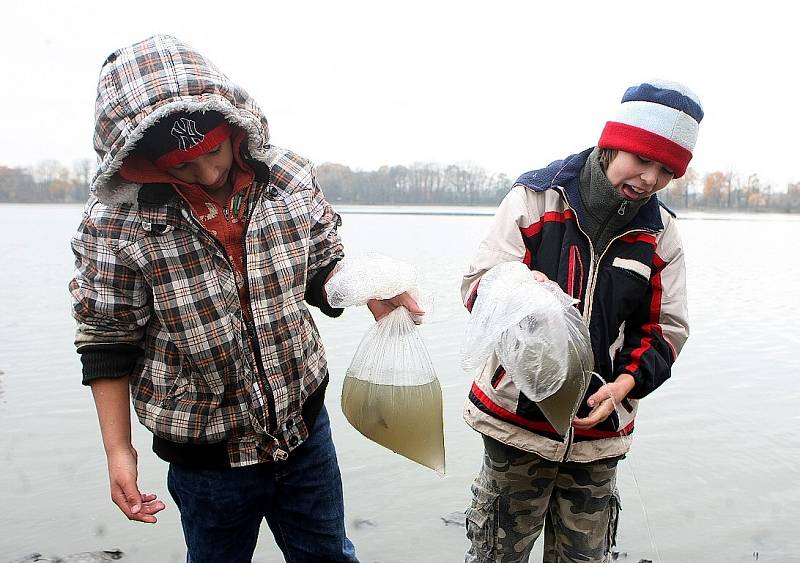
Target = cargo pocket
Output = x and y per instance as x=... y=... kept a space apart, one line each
x=482 y=518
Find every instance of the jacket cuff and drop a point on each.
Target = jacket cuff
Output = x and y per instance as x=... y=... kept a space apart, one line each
x=641 y=388
x=108 y=361
x=315 y=291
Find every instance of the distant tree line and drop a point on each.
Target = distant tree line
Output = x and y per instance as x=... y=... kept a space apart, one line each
x=422 y=184
x=456 y=185
x=47 y=182
x=730 y=191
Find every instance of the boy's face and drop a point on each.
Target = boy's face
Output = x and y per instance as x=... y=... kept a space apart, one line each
x=210 y=171
x=635 y=177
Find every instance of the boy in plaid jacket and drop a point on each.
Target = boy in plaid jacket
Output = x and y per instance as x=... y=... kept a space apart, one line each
x=199 y=248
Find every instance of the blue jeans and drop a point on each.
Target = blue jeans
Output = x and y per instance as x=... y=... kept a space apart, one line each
x=301 y=499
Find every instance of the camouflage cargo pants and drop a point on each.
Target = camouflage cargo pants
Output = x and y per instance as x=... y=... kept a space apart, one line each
x=518 y=493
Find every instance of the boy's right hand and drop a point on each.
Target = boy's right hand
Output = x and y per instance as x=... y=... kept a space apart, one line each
x=539 y=276
x=382 y=307
x=122 y=476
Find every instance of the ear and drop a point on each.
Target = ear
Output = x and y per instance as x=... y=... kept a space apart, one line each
x=260 y=168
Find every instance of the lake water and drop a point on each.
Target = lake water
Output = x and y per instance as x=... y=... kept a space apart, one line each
x=713 y=476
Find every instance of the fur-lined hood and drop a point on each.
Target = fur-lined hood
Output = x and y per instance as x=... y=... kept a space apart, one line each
x=147 y=81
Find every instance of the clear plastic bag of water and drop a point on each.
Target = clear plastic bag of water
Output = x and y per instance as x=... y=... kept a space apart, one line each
x=534 y=329
x=390 y=393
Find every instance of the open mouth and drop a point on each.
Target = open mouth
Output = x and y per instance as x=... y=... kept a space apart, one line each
x=632 y=192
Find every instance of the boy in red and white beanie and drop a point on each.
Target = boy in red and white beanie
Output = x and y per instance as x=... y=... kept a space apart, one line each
x=592 y=223
x=657 y=120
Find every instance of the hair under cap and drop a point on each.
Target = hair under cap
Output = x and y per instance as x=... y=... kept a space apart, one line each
x=658 y=120
x=183 y=136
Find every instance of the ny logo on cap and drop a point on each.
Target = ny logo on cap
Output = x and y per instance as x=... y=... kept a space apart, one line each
x=185 y=130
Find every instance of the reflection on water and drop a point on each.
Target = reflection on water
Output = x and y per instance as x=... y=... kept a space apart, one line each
x=715 y=456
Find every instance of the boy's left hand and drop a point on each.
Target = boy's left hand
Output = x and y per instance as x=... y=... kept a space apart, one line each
x=605 y=400
x=382 y=307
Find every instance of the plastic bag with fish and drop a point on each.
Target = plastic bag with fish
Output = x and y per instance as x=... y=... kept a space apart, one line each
x=390 y=393
x=539 y=338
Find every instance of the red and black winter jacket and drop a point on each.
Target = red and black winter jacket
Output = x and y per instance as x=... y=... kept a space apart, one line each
x=631 y=293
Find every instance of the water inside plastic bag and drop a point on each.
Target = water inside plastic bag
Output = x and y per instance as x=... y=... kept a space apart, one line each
x=538 y=336
x=391 y=394
x=405 y=419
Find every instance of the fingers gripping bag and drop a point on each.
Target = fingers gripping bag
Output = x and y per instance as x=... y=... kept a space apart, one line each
x=390 y=393
x=539 y=338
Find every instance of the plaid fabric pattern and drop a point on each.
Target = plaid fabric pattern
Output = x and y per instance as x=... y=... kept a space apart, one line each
x=150 y=275
x=206 y=375
x=141 y=83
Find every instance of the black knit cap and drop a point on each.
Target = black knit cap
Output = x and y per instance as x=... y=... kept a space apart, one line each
x=183 y=136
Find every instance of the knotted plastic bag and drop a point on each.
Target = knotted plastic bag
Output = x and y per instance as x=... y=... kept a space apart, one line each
x=390 y=393
x=538 y=336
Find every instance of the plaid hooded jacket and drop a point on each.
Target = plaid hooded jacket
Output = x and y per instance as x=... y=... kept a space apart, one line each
x=155 y=295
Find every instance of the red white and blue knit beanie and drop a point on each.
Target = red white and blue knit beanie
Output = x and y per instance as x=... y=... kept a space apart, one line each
x=657 y=120
x=183 y=136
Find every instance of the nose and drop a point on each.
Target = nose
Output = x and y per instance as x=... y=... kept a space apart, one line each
x=206 y=173
x=650 y=176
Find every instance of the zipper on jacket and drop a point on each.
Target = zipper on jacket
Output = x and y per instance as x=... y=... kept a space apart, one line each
x=569 y=442
x=251 y=327
x=594 y=264
x=594 y=268
x=595 y=259
x=250 y=334
x=587 y=298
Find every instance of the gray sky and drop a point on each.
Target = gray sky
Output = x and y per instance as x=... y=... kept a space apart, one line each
x=369 y=83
